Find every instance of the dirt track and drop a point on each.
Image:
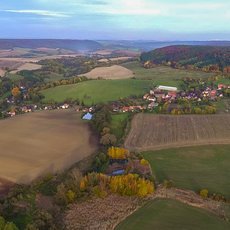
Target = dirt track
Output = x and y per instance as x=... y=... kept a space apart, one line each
x=38 y=143
x=152 y=132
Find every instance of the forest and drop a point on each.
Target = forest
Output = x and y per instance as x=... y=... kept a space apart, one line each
x=206 y=58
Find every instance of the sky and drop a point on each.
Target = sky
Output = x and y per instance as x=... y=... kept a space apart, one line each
x=162 y=20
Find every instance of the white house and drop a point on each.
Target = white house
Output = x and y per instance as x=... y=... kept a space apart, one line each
x=167 y=88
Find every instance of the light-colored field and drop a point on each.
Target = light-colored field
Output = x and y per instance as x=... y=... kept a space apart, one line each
x=27 y=66
x=114 y=59
x=41 y=142
x=150 y=132
x=112 y=72
x=2 y=72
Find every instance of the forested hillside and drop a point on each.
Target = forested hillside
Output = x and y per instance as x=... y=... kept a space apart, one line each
x=207 y=58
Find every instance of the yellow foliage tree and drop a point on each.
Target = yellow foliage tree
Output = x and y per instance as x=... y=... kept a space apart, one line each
x=15 y=91
x=118 y=153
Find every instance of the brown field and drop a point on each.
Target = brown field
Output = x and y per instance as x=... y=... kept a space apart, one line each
x=152 y=132
x=2 y=72
x=112 y=72
x=114 y=59
x=41 y=142
x=27 y=66
x=91 y=214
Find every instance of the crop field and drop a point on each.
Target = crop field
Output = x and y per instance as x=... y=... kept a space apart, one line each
x=112 y=72
x=41 y=142
x=27 y=66
x=2 y=72
x=97 y=91
x=193 y=168
x=166 y=214
x=150 y=132
x=162 y=74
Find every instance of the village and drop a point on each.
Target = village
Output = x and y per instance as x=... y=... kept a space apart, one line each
x=156 y=98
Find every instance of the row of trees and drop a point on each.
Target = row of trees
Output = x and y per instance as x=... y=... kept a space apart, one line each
x=125 y=185
x=196 y=110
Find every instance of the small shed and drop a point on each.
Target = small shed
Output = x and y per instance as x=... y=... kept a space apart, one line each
x=87 y=116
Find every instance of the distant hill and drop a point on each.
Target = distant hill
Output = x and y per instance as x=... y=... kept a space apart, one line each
x=75 y=45
x=207 y=58
x=145 y=46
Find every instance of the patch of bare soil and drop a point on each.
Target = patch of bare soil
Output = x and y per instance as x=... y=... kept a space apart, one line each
x=103 y=214
x=43 y=142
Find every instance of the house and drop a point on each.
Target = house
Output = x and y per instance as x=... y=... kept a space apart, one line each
x=87 y=116
x=65 y=106
x=167 y=88
x=213 y=93
x=12 y=113
x=222 y=86
x=152 y=105
x=172 y=94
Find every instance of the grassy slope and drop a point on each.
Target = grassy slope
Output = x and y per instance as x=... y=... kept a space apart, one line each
x=194 y=167
x=163 y=75
x=169 y=215
x=118 y=124
x=96 y=91
x=107 y=90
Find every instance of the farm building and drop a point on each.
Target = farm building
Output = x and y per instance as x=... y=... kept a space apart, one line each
x=87 y=116
x=167 y=88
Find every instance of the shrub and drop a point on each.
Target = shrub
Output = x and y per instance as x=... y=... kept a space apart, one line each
x=168 y=183
x=144 y=162
x=70 y=195
x=204 y=193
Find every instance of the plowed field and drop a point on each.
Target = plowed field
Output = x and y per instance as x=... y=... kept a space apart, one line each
x=150 y=132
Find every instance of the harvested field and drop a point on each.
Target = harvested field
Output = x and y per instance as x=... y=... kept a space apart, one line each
x=41 y=142
x=115 y=59
x=150 y=132
x=27 y=66
x=112 y=72
x=2 y=72
x=103 y=214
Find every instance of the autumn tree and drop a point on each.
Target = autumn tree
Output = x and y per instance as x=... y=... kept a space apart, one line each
x=108 y=139
x=16 y=92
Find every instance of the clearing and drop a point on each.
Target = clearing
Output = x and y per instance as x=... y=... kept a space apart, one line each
x=41 y=142
x=193 y=168
x=98 y=91
x=152 y=132
x=112 y=72
x=166 y=214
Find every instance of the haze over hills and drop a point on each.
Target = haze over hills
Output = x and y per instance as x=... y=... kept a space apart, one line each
x=91 y=45
x=75 y=45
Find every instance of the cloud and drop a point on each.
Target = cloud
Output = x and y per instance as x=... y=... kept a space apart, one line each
x=47 y=13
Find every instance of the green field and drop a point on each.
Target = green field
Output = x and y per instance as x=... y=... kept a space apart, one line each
x=163 y=214
x=164 y=75
x=118 y=124
x=194 y=168
x=96 y=91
